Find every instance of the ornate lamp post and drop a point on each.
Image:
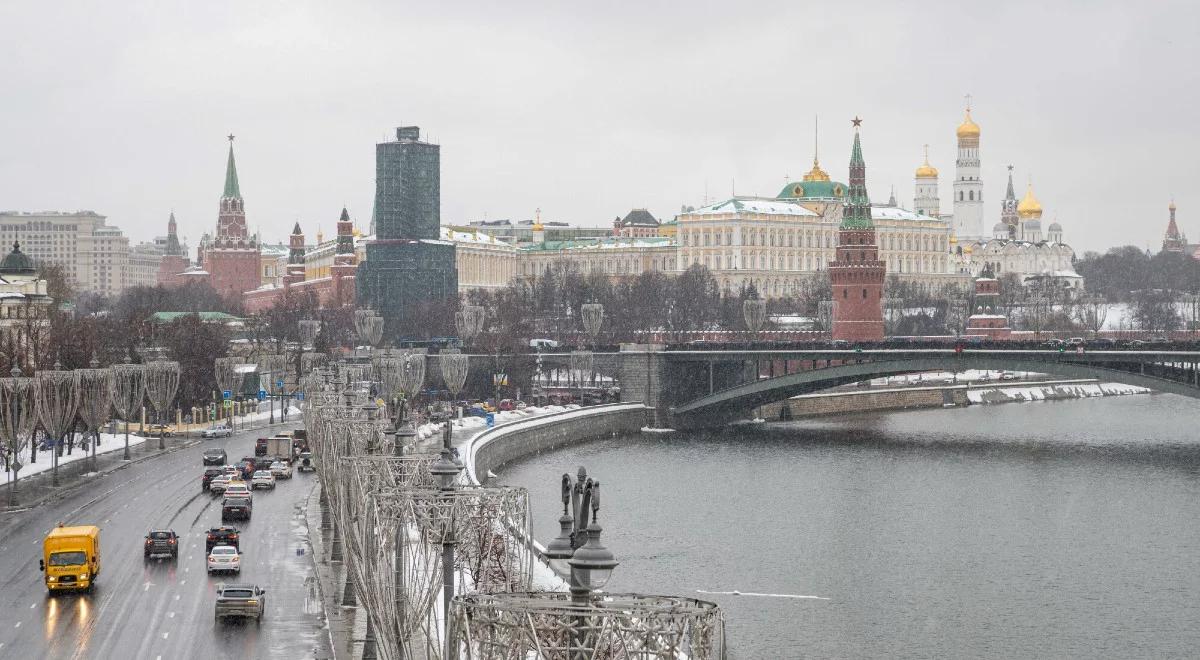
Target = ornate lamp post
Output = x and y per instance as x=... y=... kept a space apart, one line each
x=309 y=329
x=128 y=393
x=368 y=325
x=578 y=543
x=446 y=470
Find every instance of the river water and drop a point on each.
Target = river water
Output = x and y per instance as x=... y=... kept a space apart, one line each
x=1031 y=530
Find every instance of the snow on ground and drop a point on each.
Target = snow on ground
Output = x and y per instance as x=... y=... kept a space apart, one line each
x=1050 y=392
x=431 y=429
x=45 y=459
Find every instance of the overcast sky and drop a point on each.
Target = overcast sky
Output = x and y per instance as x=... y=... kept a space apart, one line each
x=587 y=110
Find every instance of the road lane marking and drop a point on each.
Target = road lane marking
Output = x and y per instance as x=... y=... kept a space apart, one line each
x=170 y=615
x=176 y=596
x=32 y=605
x=182 y=582
x=18 y=625
x=186 y=569
x=146 y=587
x=165 y=635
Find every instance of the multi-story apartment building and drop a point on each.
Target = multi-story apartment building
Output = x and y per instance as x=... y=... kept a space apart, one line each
x=94 y=255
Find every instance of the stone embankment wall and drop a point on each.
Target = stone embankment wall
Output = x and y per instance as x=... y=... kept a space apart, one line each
x=845 y=402
x=492 y=449
x=833 y=403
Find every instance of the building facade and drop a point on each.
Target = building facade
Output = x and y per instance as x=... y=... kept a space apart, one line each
x=968 y=186
x=94 y=255
x=24 y=306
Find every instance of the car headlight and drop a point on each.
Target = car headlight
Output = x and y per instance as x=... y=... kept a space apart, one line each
x=83 y=576
x=51 y=579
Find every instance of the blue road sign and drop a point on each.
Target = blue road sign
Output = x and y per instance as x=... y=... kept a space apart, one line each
x=491 y=420
x=262 y=395
x=279 y=383
x=299 y=396
x=226 y=394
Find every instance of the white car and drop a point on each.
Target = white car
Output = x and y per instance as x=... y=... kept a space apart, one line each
x=216 y=432
x=218 y=484
x=281 y=470
x=238 y=489
x=225 y=559
x=263 y=479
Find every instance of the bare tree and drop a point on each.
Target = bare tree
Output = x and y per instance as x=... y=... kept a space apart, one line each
x=162 y=381
x=95 y=400
x=1091 y=312
x=128 y=393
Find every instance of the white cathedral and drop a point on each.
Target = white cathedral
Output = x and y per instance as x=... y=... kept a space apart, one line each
x=1016 y=244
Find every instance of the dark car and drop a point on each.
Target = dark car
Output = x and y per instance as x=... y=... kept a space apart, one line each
x=162 y=542
x=236 y=507
x=260 y=447
x=208 y=475
x=215 y=456
x=263 y=462
x=222 y=536
x=240 y=600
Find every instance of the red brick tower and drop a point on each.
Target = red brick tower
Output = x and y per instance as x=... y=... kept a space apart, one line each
x=345 y=262
x=232 y=260
x=294 y=274
x=856 y=272
x=175 y=259
x=986 y=321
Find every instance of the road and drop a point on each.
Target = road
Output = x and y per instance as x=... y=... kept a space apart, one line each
x=160 y=609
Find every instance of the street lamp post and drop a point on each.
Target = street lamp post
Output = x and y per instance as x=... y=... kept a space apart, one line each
x=445 y=469
x=578 y=543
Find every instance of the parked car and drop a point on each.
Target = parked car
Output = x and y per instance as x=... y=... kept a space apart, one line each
x=1076 y=341
x=162 y=542
x=222 y=536
x=218 y=484
x=217 y=432
x=507 y=404
x=209 y=474
x=263 y=479
x=156 y=430
x=240 y=600
x=236 y=507
x=224 y=559
x=215 y=456
x=281 y=470
x=541 y=344
x=1054 y=343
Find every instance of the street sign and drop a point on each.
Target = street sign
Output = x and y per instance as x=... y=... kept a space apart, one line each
x=262 y=395
x=227 y=394
x=279 y=383
x=491 y=420
x=228 y=403
x=299 y=396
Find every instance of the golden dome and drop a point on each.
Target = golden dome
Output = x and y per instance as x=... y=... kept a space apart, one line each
x=953 y=239
x=926 y=171
x=968 y=249
x=968 y=129
x=1029 y=206
x=537 y=221
x=816 y=173
x=1171 y=207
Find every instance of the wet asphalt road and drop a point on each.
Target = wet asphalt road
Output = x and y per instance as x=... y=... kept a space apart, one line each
x=161 y=609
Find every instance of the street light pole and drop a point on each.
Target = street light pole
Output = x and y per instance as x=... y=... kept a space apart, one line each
x=446 y=470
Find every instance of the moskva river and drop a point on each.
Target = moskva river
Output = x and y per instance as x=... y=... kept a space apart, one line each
x=1063 y=529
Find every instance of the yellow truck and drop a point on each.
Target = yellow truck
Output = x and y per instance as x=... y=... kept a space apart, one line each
x=71 y=558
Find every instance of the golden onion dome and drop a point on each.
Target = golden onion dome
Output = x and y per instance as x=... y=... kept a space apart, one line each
x=1029 y=207
x=953 y=239
x=968 y=249
x=926 y=171
x=968 y=129
x=816 y=173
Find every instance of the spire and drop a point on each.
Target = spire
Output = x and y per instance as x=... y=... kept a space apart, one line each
x=232 y=190
x=296 y=230
x=1010 y=194
x=345 y=217
x=857 y=213
x=816 y=173
x=892 y=197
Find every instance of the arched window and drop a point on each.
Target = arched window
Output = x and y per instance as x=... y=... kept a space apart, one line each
x=960 y=196
x=971 y=195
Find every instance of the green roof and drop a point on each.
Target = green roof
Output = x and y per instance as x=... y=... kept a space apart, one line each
x=206 y=317
x=232 y=190
x=814 y=190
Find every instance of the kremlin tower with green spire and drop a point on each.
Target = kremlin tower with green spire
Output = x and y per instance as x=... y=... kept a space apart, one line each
x=232 y=258
x=856 y=272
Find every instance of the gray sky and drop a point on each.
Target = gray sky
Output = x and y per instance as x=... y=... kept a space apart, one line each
x=589 y=109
